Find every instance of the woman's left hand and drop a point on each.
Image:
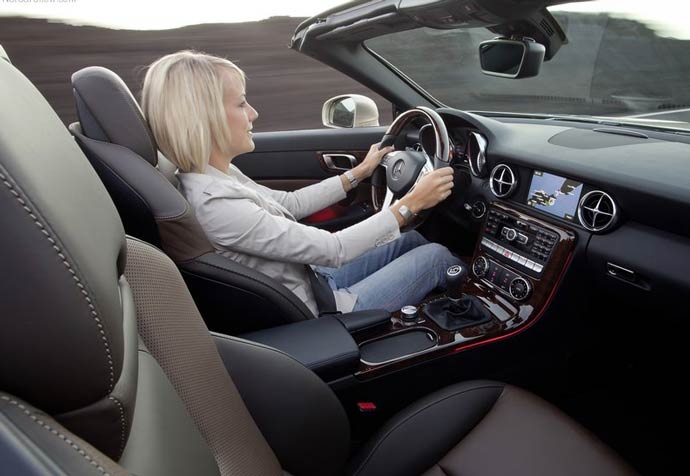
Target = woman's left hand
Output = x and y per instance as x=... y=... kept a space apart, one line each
x=372 y=160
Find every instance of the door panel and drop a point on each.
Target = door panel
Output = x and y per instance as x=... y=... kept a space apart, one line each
x=292 y=160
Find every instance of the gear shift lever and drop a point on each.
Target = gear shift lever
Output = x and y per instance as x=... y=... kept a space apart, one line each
x=456 y=310
x=455 y=275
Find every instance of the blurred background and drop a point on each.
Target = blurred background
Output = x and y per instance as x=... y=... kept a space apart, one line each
x=625 y=57
x=286 y=87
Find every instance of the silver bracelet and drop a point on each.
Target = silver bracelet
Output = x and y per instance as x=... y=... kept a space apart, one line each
x=351 y=177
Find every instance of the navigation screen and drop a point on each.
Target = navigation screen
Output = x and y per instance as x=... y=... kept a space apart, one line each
x=555 y=195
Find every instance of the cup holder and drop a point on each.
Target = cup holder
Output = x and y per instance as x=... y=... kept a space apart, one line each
x=396 y=346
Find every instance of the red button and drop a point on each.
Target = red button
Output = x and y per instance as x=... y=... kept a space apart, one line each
x=366 y=406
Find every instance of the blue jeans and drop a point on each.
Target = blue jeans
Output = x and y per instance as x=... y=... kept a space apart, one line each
x=397 y=274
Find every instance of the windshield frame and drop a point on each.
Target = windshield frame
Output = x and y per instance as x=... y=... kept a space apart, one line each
x=630 y=117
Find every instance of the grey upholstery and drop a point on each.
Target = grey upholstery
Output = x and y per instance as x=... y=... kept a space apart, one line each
x=52 y=445
x=107 y=368
x=68 y=257
x=116 y=139
x=106 y=107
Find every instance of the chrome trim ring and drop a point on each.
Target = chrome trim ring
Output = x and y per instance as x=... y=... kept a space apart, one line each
x=596 y=211
x=502 y=181
x=479 y=204
x=528 y=288
x=478 y=169
x=433 y=338
x=484 y=264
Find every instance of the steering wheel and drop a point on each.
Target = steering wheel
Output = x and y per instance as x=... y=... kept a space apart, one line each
x=400 y=170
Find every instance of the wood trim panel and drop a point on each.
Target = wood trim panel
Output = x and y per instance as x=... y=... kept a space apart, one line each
x=509 y=316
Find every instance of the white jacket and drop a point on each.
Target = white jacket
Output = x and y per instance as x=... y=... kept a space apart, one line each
x=256 y=226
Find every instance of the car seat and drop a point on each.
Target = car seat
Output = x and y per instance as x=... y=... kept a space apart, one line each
x=116 y=139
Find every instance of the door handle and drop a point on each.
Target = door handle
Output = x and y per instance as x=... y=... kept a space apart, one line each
x=339 y=162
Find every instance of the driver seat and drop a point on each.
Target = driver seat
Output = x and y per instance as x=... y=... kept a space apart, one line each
x=106 y=367
x=115 y=137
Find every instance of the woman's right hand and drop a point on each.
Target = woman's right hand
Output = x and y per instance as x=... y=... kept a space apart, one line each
x=432 y=189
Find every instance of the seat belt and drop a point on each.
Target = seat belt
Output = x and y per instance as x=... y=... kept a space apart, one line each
x=323 y=294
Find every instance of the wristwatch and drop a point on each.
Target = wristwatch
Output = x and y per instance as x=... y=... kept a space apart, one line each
x=406 y=213
x=351 y=177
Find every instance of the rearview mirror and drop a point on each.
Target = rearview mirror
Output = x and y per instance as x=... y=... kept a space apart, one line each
x=350 y=110
x=511 y=58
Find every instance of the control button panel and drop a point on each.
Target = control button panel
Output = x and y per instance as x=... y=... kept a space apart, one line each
x=517 y=260
x=512 y=284
x=531 y=241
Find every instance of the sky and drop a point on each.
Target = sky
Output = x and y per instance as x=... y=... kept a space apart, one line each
x=164 y=14
x=161 y=14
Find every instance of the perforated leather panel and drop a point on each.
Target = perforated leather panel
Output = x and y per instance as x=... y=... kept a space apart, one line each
x=178 y=339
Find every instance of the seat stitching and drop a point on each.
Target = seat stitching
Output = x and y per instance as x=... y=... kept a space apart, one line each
x=122 y=422
x=258 y=345
x=57 y=433
x=132 y=189
x=93 y=312
x=426 y=407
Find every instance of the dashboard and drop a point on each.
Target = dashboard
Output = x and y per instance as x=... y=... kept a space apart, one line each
x=622 y=195
x=553 y=167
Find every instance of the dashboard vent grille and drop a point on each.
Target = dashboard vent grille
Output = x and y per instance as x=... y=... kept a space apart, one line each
x=546 y=27
x=597 y=211
x=502 y=181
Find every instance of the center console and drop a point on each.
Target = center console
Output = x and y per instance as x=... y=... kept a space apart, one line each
x=517 y=264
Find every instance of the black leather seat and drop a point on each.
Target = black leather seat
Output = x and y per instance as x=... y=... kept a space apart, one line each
x=115 y=137
x=106 y=367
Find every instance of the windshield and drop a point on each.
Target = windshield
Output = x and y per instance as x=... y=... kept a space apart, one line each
x=615 y=64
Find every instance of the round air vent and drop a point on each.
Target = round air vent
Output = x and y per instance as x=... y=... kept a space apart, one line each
x=597 y=211
x=502 y=181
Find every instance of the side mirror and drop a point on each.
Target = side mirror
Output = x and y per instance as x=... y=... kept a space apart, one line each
x=511 y=58
x=350 y=110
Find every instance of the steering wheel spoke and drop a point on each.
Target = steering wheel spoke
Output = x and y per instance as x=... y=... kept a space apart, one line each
x=388 y=199
x=403 y=169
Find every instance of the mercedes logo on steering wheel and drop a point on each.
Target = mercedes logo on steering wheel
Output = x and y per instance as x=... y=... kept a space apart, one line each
x=398 y=169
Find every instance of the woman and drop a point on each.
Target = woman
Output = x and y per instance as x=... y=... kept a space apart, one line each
x=200 y=117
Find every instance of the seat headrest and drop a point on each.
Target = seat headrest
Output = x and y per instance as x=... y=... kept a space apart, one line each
x=108 y=112
x=63 y=253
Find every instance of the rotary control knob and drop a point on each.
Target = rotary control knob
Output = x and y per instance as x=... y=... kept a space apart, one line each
x=511 y=234
x=520 y=288
x=478 y=209
x=480 y=266
x=408 y=313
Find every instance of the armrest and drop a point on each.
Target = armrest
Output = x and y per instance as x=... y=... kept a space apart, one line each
x=219 y=284
x=360 y=320
x=323 y=345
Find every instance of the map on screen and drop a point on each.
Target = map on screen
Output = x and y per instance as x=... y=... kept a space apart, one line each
x=555 y=195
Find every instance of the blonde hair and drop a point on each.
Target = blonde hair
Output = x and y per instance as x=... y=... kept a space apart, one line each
x=182 y=99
